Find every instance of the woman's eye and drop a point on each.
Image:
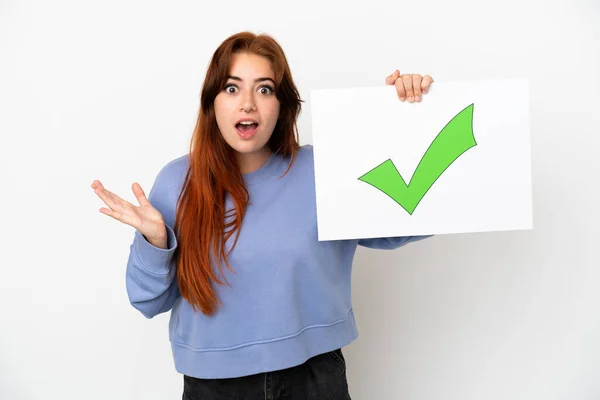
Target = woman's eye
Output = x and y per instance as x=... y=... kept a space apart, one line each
x=270 y=90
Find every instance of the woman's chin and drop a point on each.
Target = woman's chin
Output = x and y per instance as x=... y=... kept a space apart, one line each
x=246 y=147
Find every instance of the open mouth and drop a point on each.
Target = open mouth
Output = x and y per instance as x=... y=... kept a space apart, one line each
x=246 y=130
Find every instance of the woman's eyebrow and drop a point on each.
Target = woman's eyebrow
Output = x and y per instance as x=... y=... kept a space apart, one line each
x=256 y=80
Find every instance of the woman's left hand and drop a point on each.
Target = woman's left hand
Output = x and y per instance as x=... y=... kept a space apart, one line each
x=409 y=85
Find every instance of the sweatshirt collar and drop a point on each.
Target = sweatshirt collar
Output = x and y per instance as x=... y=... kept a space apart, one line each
x=265 y=171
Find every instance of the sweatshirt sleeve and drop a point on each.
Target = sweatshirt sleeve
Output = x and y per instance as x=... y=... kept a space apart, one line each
x=150 y=274
x=390 y=243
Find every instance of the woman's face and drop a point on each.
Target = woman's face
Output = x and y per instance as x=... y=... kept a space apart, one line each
x=248 y=94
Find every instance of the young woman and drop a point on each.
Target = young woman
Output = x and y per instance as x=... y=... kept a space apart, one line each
x=227 y=240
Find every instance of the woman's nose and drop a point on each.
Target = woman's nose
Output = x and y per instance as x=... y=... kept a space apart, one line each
x=248 y=102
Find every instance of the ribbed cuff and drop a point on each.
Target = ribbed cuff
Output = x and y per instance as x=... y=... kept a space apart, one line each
x=154 y=258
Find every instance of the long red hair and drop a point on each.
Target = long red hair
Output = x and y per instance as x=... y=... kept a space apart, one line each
x=202 y=224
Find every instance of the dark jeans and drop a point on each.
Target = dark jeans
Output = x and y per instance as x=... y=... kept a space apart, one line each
x=319 y=378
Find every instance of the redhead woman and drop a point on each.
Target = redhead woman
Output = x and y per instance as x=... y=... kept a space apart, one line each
x=227 y=240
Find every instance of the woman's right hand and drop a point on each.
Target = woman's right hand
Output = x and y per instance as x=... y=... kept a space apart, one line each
x=145 y=218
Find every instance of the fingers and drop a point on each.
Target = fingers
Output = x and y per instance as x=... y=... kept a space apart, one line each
x=139 y=194
x=427 y=80
x=400 y=89
x=122 y=210
x=392 y=78
x=112 y=213
x=406 y=79
x=96 y=184
x=113 y=201
x=416 y=83
x=410 y=87
x=110 y=199
x=105 y=196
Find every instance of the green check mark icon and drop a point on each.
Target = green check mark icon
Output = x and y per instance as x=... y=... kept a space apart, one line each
x=452 y=141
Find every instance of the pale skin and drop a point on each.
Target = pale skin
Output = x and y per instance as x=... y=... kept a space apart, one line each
x=248 y=96
x=248 y=93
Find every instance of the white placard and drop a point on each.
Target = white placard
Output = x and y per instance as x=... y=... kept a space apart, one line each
x=368 y=144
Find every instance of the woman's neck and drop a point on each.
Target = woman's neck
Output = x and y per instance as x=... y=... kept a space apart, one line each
x=250 y=162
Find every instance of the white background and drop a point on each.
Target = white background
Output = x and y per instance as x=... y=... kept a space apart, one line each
x=110 y=90
x=487 y=188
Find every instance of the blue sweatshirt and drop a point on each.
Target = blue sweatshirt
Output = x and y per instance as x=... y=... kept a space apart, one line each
x=290 y=296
